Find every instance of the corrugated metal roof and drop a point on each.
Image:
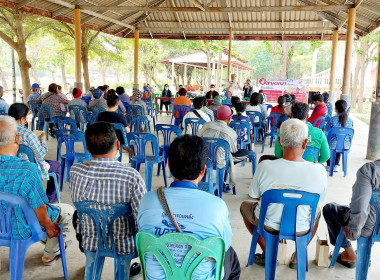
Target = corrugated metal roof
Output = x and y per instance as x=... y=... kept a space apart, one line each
x=249 y=19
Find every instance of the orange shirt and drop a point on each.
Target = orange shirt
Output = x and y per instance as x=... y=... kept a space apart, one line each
x=181 y=100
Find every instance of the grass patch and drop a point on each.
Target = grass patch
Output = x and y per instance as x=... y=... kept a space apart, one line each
x=365 y=115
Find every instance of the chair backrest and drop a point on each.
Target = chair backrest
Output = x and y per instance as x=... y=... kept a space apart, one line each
x=137 y=122
x=242 y=130
x=319 y=120
x=96 y=110
x=45 y=113
x=79 y=112
x=158 y=246
x=69 y=137
x=12 y=204
x=104 y=215
x=325 y=121
x=194 y=124
x=340 y=134
x=64 y=122
x=136 y=110
x=167 y=130
x=121 y=128
x=147 y=100
x=64 y=110
x=215 y=146
x=139 y=141
x=269 y=106
x=272 y=119
x=3 y=112
x=291 y=199
x=375 y=202
x=35 y=108
x=253 y=115
x=312 y=153
x=181 y=110
x=86 y=99
x=23 y=149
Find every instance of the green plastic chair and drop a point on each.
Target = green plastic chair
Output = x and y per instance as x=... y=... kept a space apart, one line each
x=246 y=99
x=208 y=248
x=153 y=98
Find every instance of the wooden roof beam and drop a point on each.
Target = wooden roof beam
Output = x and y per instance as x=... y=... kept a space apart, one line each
x=300 y=8
x=314 y=29
x=24 y=3
x=197 y=4
x=370 y=8
x=87 y=19
x=65 y=9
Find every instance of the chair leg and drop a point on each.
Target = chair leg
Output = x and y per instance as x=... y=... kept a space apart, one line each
x=255 y=239
x=332 y=163
x=122 y=267
x=338 y=244
x=263 y=144
x=94 y=266
x=138 y=166
x=17 y=254
x=363 y=258
x=148 y=175
x=271 y=250
x=68 y=167
x=56 y=186
x=63 y=254
x=344 y=162
x=301 y=252
x=164 y=173
x=63 y=163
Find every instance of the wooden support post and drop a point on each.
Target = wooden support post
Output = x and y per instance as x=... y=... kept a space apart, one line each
x=195 y=75
x=78 y=48
x=173 y=76
x=136 y=65
x=348 y=56
x=221 y=75
x=213 y=74
x=185 y=76
x=333 y=63
x=229 y=55
x=373 y=147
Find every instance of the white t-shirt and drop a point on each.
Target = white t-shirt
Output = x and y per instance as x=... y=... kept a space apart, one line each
x=235 y=91
x=251 y=108
x=284 y=174
x=192 y=115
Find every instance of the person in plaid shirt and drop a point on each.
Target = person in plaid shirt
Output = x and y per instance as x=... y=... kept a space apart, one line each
x=108 y=181
x=23 y=178
x=19 y=111
x=52 y=99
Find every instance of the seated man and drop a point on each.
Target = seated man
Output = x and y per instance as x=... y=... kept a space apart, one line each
x=359 y=218
x=317 y=138
x=220 y=129
x=3 y=104
x=106 y=180
x=301 y=175
x=97 y=101
x=320 y=109
x=35 y=94
x=212 y=93
x=187 y=162
x=197 y=113
x=23 y=178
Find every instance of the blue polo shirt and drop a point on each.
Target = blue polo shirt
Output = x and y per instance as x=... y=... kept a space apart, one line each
x=198 y=213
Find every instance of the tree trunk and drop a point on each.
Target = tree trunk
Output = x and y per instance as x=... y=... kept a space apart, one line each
x=354 y=95
x=104 y=71
x=24 y=71
x=86 y=75
x=208 y=55
x=63 y=73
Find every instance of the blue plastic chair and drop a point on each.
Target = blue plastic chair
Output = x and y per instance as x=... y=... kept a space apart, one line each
x=86 y=99
x=137 y=142
x=207 y=183
x=45 y=118
x=140 y=122
x=69 y=137
x=80 y=115
x=166 y=130
x=257 y=130
x=104 y=216
x=321 y=120
x=291 y=199
x=273 y=118
x=215 y=144
x=35 y=108
x=311 y=154
x=121 y=128
x=336 y=138
x=136 y=110
x=194 y=123
x=151 y=110
x=65 y=123
x=243 y=130
x=3 y=112
x=64 y=112
x=23 y=149
x=18 y=248
x=181 y=110
x=269 y=107
x=93 y=114
x=364 y=244
x=325 y=121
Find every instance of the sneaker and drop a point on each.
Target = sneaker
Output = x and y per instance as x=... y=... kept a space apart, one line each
x=337 y=168
x=135 y=271
x=226 y=188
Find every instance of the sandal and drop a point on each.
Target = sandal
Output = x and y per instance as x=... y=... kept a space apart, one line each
x=54 y=260
x=293 y=265
x=134 y=271
x=344 y=263
x=259 y=259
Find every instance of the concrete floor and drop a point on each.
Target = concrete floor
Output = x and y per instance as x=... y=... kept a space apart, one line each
x=339 y=191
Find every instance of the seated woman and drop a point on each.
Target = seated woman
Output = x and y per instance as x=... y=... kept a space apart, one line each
x=165 y=93
x=255 y=106
x=136 y=100
x=19 y=111
x=111 y=116
x=197 y=113
x=240 y=117
x=123 y=97
x=234 y=100
x=280 y=107
x=340 y=120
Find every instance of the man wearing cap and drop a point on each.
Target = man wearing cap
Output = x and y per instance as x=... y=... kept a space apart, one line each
x=220 y=129
x=228 y=98
x=216 y=103
x=77 y=94
x=98 y=101
x=35 y=93
x=3 y=104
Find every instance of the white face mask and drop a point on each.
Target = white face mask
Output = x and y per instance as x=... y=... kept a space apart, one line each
x=212 y=89
x=166 y=88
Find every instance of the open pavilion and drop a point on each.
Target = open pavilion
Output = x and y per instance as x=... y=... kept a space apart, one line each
x=224 y=20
